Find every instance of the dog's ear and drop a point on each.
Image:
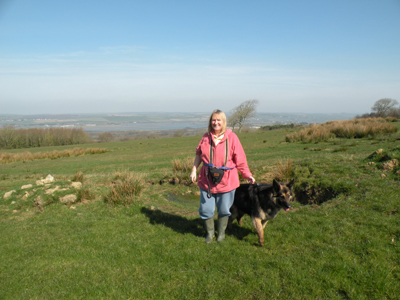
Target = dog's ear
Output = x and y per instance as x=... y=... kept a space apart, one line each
x=290 y=184
x=277 y=185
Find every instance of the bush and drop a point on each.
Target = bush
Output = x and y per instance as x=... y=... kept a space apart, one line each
x=11 y=138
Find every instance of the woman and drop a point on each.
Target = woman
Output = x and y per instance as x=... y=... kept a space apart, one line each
x=226 y=151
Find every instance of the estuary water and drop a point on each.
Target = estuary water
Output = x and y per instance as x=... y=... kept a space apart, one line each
x=146 y=126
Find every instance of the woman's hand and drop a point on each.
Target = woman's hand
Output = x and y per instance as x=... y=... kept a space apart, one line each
x=251 y=180
x=193 y=175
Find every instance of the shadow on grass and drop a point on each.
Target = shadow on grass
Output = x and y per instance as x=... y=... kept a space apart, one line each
x=183 y=225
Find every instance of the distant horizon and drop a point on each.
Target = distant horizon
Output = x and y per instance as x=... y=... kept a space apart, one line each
x=174 y=112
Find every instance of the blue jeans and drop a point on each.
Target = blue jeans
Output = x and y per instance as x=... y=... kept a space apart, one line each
x=223 y=201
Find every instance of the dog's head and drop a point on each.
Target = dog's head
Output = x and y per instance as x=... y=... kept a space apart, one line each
x=283 y=194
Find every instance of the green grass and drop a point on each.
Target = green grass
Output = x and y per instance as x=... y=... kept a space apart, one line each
x=344 y=244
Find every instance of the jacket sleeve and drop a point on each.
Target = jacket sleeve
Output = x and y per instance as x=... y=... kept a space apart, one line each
x=239 y=157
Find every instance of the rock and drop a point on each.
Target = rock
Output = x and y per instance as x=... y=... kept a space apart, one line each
x=383 y=176
x=390 y=165
x=24 y=197
x=68 y=199
x=48 y=179
x=76 y=185
x=8 y=194
x=51 y=191
x=42 y=181
x=27 y=186
x=379 y=151
x=39 y=201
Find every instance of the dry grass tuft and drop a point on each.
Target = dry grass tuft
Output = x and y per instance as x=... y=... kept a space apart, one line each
x=357 y=128
x=78 y=176
x=183 y=165
x=284 y=170
x=6 y=158
x=126 y=187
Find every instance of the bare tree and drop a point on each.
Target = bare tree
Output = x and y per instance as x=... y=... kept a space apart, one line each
x=106 y=137
x=241 y=113
x=383 y=106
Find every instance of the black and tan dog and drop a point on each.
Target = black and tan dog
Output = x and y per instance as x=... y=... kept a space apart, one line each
x=262 y=202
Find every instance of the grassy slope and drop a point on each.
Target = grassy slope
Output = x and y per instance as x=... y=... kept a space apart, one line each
x=347 y=247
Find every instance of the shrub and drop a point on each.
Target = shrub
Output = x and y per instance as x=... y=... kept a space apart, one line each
x=11 y=138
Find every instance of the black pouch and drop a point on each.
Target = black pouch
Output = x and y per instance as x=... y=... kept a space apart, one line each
x=216 y=174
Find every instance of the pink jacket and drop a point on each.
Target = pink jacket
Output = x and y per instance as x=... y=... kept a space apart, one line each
x=236 y=159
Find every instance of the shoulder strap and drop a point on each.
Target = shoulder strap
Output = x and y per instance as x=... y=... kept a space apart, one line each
x=226 y=151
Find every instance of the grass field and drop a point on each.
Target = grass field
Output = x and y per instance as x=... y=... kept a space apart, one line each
x=340 y=240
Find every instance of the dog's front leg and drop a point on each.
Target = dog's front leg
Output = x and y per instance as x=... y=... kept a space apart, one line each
x=264 y=222
x=260 y=230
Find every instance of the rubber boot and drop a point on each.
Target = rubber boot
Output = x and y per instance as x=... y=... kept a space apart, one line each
x=209 y=225
x=222 y=223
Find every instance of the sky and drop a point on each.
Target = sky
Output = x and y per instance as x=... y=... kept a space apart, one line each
x=113 y=56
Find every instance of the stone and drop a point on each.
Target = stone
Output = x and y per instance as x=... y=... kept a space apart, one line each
x=48 y=179
x=390 y=165
x=76 y=185
x=27 y=186
x=8 y=194
x=42 y=181
x=51 y=191
x=39 y=201
x=68 y=199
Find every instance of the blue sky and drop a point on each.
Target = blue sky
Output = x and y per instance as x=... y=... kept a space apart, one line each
x=194 y=56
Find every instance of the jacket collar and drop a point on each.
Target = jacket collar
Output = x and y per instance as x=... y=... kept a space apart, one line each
x=226 y=134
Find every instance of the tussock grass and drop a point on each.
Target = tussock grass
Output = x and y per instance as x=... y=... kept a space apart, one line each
x=183 y=165
x=6 y=158
x=284 y=170
x=78 y=176
x=181 y=168
x=85 y=194
x=126 y=187
x=357 y=128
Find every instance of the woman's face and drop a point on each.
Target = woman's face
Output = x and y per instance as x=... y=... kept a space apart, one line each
x=216 y=123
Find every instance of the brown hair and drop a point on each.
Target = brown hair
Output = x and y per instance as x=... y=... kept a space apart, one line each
x=223 y=117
